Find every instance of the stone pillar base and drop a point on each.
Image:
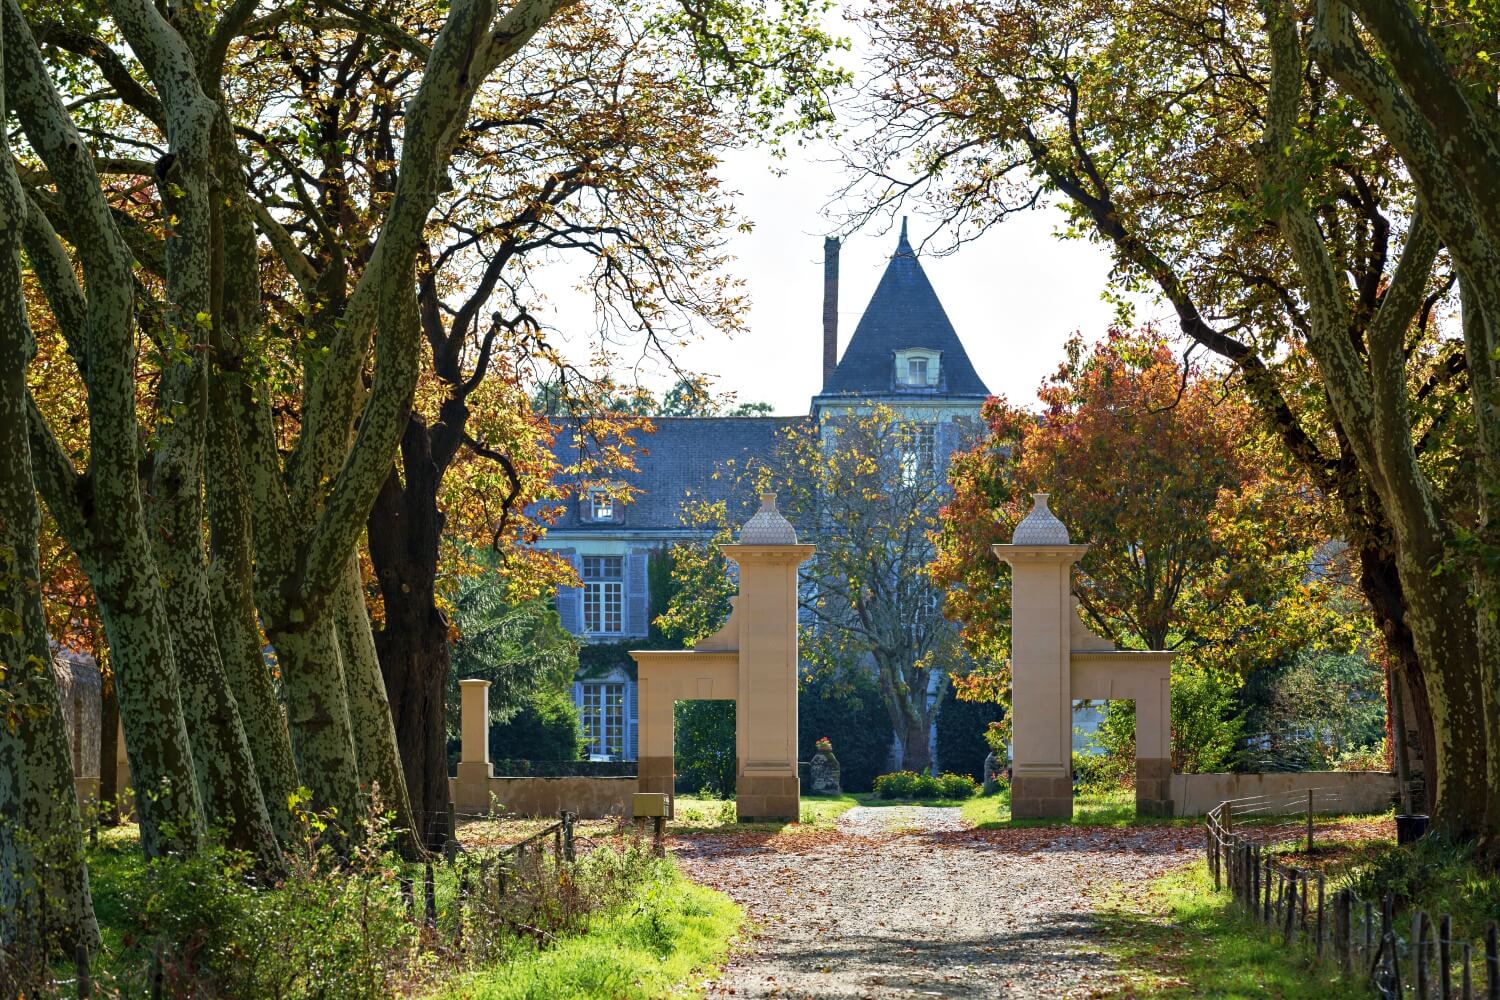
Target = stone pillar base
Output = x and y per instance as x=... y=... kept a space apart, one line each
x=471 y=790
x=1153 y=786
x=657 y=774
x=1041 y=798
x=768 y=798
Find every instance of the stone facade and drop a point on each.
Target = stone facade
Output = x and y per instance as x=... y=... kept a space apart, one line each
x=904 y=354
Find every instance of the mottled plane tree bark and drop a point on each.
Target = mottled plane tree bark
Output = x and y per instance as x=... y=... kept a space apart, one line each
x=1451 y=597
x=101 y=509
x=44 y=886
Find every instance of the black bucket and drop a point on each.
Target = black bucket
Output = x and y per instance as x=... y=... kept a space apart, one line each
x=1410 y=827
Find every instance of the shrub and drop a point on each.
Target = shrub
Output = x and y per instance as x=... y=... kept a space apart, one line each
x=545 y=727
x=1102 y=773
x=906 y=785
x=957 y=786
x=1376 y=757
x=911 y=785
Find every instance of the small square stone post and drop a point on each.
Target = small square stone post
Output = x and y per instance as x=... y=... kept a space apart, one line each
x=472 y=789
x=1041 y=560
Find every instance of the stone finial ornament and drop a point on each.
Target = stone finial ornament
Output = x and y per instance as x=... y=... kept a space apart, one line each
x=768 y=527
x=1041 y=526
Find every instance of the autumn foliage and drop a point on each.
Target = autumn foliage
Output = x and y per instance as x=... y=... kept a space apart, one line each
x=1201 y=536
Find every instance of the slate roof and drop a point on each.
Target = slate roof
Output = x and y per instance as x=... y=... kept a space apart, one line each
x=680 y=460
x=904 y=312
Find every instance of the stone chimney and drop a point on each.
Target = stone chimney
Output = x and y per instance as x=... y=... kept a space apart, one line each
x=830 y=307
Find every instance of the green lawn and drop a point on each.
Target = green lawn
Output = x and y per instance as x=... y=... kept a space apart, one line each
x=656 y=944
x=701 y=815
x=1116 y=808
x=1176 y=937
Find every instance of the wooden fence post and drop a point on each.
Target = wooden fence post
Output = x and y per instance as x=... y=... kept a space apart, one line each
x=1491 y=963
x=1445 y=958
x=570 y=852
x=81 y=966
x=1267 y=869
x=1343 y=928
x=429 y=898
x=1468 y=973
x=1388 y=943
x=1289 y=887
x=1309 y=821
x=1320 y=916
x=1208 y=852
x=1419 y=950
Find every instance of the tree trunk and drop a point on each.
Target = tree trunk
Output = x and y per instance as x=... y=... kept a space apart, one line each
x=312 y=675
x=227 y=780
x=44 y=885
x=102 y=516
x=227 y=497
x=370 y=708
x=405 y=526
x=916 y=750
x=109 y=749
x=1380 y=582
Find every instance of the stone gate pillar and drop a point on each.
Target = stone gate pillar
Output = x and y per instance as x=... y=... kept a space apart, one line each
x=1041 y=559
x=471 y=788
x=768 y=555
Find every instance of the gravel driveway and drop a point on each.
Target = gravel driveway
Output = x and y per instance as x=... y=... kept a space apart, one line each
x=903 y=903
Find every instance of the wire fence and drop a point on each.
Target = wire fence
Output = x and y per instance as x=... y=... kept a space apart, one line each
x=1361 y=935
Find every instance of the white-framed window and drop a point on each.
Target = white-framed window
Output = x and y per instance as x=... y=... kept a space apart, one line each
x=604 y=594
x=919 y=456
x=917 y=367
x=601 y=504
x=603 y=717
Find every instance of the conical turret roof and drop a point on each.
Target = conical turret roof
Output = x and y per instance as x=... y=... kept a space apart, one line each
x=903 y=313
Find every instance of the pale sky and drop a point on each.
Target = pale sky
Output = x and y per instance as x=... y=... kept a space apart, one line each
x=1014 y=295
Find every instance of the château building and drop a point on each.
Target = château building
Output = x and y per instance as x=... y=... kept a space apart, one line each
x=904 y=354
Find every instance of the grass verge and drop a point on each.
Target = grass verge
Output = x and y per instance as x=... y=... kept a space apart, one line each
x=1176 y=937
x=699 y=815
x=660 y=943
x=1113 y=808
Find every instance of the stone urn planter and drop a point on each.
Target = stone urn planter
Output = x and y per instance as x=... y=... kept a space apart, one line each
x=825 y=769
x=993 y=772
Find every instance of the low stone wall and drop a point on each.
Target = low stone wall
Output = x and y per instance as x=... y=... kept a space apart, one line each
x=1355 y=791
x=590 y=798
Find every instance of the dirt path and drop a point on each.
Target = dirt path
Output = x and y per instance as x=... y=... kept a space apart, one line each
x=901 y=903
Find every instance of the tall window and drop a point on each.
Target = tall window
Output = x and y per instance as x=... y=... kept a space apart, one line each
x=916 y=371
x=919 y=458
x=603 y=594
x=603 y=713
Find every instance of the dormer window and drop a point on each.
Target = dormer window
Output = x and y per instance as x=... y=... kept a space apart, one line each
x=918 y=368
x=599 y=505
x=603 y=505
